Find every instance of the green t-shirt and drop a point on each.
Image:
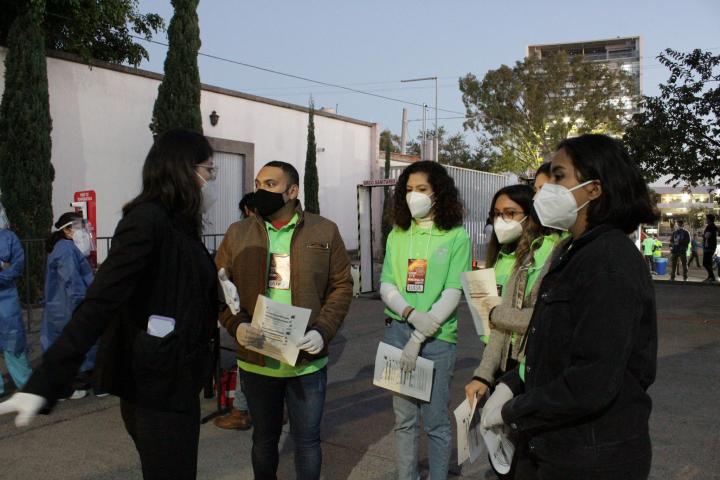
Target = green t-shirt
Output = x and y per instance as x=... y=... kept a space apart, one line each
x=503 y=268
x=448 y=255
x=280 y=240
x=648 y=246
x=658 y=249
x=541 y=256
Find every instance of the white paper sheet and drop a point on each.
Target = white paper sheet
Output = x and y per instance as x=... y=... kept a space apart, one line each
x=500 y=447
x=283 y=328
x=478 y=284
x=469 y=439
x=416 y=383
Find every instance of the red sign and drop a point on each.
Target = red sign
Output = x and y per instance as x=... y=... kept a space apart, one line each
x=90 y=200
x=381 y=182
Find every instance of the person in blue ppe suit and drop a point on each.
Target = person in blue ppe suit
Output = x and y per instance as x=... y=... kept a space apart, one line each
x=12 y=330
x=68 y=277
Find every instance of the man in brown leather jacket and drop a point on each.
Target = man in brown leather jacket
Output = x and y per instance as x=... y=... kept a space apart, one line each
x=296 y=258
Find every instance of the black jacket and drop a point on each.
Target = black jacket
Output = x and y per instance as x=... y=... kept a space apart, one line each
x=679 y=241
x=591 y=354
x=157 y=266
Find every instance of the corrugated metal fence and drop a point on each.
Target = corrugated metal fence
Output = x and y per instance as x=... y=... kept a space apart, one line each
x=476 y=191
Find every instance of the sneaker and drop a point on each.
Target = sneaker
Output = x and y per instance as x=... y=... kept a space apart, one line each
x=99 y=393
x=235 y=420
x=77 y=395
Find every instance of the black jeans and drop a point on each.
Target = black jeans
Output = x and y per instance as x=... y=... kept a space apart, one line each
x=683 y=261
x=166 y=441
x=708 y=262
x=305 y=399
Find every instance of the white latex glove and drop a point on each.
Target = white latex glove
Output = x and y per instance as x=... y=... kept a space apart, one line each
x=26 y=405
x=232 y=299
x=249 y=336
x=492 y=411
x=424 y=323
x=312 y=342
x=411 y=351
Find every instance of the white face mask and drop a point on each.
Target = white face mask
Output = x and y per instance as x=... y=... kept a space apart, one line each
x=556 y=207
x=209 y=193
x=419 y=204
x=508 y=231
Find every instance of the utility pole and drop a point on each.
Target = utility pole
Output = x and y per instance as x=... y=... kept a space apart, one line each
x=403 y=132
x=435 y=148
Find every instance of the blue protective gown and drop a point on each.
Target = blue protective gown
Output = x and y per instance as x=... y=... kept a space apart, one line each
x=68 y=277
x=12 y=330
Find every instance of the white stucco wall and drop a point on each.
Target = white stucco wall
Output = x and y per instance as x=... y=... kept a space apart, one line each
x=101 y=136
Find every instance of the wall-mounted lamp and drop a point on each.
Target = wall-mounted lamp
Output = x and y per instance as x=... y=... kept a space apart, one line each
x=214 y=118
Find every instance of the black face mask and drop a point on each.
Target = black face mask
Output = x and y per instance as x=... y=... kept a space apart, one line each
x=268 y=202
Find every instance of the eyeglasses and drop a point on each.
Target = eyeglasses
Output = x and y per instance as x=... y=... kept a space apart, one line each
x=508 y=215
x=212 y=170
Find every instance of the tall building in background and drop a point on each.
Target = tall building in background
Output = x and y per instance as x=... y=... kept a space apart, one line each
x=622 y=53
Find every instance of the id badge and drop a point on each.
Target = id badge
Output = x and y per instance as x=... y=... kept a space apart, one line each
x=416 y=273
x=279 y=275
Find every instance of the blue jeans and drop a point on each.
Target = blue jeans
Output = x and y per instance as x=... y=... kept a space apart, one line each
x=305 y=399
x=435 y=414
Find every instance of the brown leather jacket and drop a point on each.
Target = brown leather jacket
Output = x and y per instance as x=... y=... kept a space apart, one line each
x=319 y=280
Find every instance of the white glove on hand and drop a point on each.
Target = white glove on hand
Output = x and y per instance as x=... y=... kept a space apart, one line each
x=312 y=342
x=249 y=336
x=424 y=323
x=232 y=299
x=492 y=411
x=411 y=351
x=26 y=405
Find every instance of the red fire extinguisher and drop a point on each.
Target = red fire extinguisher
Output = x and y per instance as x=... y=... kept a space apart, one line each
x=228 y=382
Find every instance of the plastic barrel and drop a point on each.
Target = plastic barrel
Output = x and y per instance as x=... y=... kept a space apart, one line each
x=661 y=266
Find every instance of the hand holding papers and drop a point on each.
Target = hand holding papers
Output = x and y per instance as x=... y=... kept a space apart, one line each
x=500 y=447
x=283 y=328
x=479 y=284
x=416 y=383
x=470 y=442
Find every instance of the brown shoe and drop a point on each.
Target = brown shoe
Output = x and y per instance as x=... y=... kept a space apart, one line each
x=235 y=420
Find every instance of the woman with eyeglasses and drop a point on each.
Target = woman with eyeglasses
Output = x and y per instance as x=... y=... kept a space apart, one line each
x=154 y=306
x=520 y=247
x=582 y=409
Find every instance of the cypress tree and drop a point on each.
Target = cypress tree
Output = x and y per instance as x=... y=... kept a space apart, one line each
x=312 y=204
x=178 y=101
x=26 y=173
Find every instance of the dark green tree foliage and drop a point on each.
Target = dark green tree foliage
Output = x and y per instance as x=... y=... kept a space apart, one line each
x=178 y=101
x=387 y=199
x=522 y=112
x=677 y=133
x=98 y=30
x=311 y=181
x=387 y=139
x=26 y=174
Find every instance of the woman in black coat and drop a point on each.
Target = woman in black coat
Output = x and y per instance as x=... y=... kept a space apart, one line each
x=582 y=411
x=157 y=267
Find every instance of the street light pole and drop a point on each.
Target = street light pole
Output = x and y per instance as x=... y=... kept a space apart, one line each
x=437 y=140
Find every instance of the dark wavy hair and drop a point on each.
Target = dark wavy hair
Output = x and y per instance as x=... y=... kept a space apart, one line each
x=59 y=234
x=169 y=176
x=625 y=201
x=447 y=208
